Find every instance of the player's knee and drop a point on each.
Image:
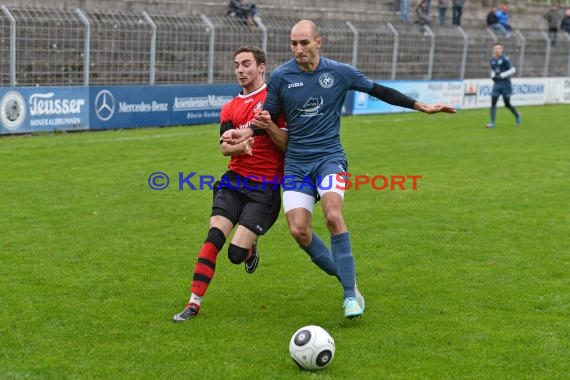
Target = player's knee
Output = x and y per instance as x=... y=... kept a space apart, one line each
x=334 y=219
x=216 y=237
x=301 y=233
x=237 y=255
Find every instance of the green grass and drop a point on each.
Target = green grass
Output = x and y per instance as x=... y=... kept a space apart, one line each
x=466 y=277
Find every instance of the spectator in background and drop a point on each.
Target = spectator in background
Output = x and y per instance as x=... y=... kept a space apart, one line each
x=442 y=6
x=457 y=11
x=422 y=17
x=503 y=16
x=553 y=19
x=493 y=23
x=427 y=5
x=244 y=10
x=565 y=24
x=404 y=7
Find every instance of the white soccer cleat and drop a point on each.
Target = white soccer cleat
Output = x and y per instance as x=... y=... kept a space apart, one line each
x=360 y=299
x=351 y=308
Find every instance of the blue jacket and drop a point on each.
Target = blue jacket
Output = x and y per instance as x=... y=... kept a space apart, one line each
x=503 y=17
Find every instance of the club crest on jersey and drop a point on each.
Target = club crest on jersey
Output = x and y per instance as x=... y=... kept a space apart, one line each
x=311 y=107
x=326 y=80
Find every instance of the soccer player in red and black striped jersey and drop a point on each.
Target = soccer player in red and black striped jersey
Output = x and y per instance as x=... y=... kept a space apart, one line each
x=248 y=194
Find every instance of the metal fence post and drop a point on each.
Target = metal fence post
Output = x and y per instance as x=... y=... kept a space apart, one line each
x=547 y=55
x=152 y=69
x=567 y=36
x=211 y=45
x=521 y=53
x=431 y=51
x=263 y=33
x=465 y=50
x=86 y=45
x=354 y=43
x=12 y=44
x=394 y=50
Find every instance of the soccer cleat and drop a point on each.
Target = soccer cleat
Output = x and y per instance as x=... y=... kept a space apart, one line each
x=519 y=120
x=360 y=299
x=351 y=308
x=190 y=311
x=251 y=263
x=490 y=125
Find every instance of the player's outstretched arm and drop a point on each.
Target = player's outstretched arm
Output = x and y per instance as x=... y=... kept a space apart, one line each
x=396 y=98
x=433 y=108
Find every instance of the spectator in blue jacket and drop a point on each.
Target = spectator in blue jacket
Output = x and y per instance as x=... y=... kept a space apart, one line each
x=503 y=17
x=493 y=23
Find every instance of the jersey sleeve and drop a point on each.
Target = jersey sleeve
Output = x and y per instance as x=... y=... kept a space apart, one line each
x=225 y=114
x=272 y=102
x=357 y=81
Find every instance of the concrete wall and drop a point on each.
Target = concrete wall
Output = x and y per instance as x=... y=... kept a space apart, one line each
x=522 y=16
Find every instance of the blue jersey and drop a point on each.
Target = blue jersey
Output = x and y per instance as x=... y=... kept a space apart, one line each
x=312 y=104
x=499 y=65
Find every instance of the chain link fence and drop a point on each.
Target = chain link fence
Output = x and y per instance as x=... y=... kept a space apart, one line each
x=41 y=46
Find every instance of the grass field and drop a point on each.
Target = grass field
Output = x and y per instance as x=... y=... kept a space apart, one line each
x=466 y=277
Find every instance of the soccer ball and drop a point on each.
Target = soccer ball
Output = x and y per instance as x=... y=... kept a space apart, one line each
x=312 y=347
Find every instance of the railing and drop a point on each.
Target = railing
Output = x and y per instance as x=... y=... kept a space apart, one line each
x=41 y=46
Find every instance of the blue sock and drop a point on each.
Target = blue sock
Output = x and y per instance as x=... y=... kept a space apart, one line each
x=342 y=256
x=493 y=114
x=321 y=255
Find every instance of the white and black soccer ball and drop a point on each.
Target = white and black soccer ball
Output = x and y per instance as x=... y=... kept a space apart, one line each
x=312 y=347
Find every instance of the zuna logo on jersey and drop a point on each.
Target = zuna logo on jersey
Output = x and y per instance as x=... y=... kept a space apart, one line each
x=311 y=107
x=326 y=80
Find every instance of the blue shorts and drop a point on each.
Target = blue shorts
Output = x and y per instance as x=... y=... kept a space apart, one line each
x=305 y=177
x=505 y=89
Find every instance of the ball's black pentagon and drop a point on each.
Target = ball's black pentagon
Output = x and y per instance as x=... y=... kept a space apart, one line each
x=303 y=337
x=323 y=358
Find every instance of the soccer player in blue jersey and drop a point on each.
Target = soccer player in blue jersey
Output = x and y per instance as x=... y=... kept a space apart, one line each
x=501 y=72
x=310 y=91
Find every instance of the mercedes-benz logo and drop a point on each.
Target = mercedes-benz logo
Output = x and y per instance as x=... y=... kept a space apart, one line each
x=104 y=105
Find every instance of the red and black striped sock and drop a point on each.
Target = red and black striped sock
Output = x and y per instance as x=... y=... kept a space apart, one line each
x=204 y=269
x=206 y=265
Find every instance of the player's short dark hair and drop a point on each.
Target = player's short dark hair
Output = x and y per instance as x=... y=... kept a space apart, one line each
x=258 y=54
